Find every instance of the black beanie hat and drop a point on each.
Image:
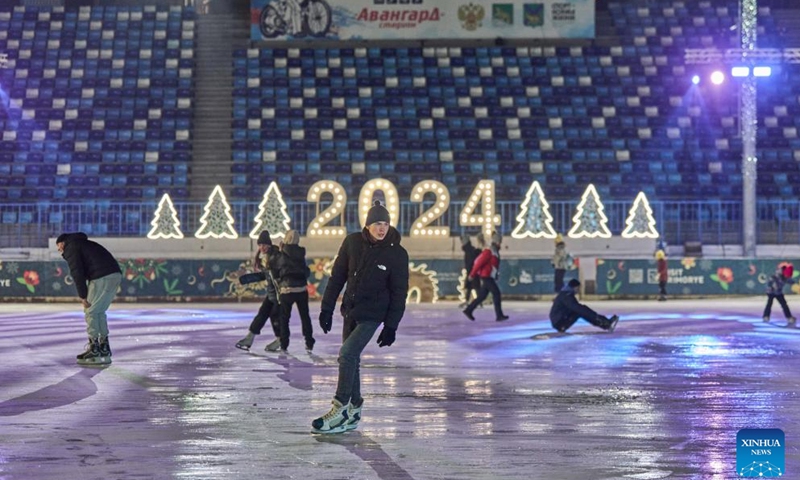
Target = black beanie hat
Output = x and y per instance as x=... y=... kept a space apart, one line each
x=574 y=283
x=263 y=238
x=62 y=237
x=377 y=213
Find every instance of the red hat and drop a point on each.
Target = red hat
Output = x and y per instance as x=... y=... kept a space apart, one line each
x=788 y=271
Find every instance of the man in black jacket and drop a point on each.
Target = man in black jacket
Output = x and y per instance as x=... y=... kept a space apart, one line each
x=375 y=268
x=471 y=252
x=97 y=277
x=566 y=311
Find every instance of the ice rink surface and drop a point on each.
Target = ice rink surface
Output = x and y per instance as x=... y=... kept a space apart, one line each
x=662 y=397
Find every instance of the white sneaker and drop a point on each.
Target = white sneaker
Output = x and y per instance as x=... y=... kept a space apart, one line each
x=274 y=345
x=355 y=416
x=335 y=421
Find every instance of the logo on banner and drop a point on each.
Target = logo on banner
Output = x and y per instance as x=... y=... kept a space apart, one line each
x=502 y=15
x=471 y=16
x=760 y=453
x=563 y=13
x=397 y=2
x=533 y=14
x=291 y=18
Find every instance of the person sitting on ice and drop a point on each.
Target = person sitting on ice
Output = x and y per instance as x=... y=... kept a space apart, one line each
x=775 y=292
x=567 y=310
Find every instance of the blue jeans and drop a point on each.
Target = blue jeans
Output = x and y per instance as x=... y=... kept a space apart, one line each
x=101 y=293
x=355 y=338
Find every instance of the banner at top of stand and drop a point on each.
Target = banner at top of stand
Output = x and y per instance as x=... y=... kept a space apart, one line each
x=420 y=19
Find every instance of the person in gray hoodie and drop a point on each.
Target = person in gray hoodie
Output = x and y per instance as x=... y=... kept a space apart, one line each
x=290 y=270
x=97 y=277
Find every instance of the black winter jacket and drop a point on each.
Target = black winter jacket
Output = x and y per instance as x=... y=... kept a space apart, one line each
x=565 y=304
x=288 y=266
x=470 y=254
x=87 y=261
x=376 y=275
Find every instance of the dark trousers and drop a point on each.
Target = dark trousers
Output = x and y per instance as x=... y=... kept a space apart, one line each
x=488 y=285
x=564 y=323
x=469 y=287
x=781 y=300
x=301 y=299
x=662 y=288
x=559 y=280
x=355 y=338
x=269 y=310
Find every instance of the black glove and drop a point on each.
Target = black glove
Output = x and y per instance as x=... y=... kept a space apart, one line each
x=386 y=338
x=326 y=321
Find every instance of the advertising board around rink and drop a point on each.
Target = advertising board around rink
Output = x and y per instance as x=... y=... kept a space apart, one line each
x=420 y=19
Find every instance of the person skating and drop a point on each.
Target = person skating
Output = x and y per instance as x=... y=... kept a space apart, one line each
x=487 y=268
x=566 y=310
x=775 y=286
x=97 y=277
x=374 y=266
x=561 y=261
x=661 y=266
x=471 y=253
x=290 y=270
x=270 y=308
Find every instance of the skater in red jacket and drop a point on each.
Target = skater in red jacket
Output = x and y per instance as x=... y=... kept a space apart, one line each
x=487 y=268
x=661 y=264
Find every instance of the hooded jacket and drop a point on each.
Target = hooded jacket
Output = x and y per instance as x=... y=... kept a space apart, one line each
x=87 y=261
x=289 y=269
x=376 y=274
x=777 y=282
x=565 y=304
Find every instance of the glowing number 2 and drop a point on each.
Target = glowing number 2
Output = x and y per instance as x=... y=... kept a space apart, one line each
x=317 y=227
x=420 y=227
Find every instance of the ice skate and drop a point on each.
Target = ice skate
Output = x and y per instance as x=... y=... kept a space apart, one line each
x=273 y=346
x=354 y=414
x=502 y=318
x=246 y=342
x=88 y=350
x=310 y=345
x=104 y=346
x=613 y=325
x=469 y=315
x=662 y=298
x=94 y=356
x=766 y=318
x=334 y=421
x=791 y=322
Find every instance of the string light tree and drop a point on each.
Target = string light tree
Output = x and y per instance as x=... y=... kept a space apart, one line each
x=272 y=214
x=217 y=221
x=749 y=62
x=640 y=222
x=590 y=220
x=534 y=219
x=165 y=221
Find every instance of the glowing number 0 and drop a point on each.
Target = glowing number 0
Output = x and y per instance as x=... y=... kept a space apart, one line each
x=483 y=194
x=420 y=226
x=389 y=193
x=317 y=227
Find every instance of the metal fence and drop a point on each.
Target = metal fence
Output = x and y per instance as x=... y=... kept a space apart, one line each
x=714 y=222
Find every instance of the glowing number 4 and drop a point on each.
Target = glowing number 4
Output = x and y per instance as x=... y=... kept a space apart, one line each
x=482 y=195
x=420 y=227
x=318 y=227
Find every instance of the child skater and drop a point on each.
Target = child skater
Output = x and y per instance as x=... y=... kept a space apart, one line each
x=783 y=275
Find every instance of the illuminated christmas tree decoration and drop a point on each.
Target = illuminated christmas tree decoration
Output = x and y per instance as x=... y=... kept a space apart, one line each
x=640 y=222
x=165 y=221
x=534 y=219
x=420 y=227
x=216 y=221
x=272 y=215
x=482 y=195
x=318 y=226
x=462 y=292
x=392 y=202
x=590 y=221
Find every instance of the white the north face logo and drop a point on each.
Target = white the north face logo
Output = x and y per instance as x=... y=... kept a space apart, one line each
x=382 y=267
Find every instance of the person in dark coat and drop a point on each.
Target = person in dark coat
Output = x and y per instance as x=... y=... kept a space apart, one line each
x=290 y=271
x=97 y=277
x=566 y=310
x=775 y=286
x=270 y=309
x=374 y=267
x=471 y=253
x=663 y=275
x=487 y=269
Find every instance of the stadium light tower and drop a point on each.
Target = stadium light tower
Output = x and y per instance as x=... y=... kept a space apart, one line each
x=755 y=58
